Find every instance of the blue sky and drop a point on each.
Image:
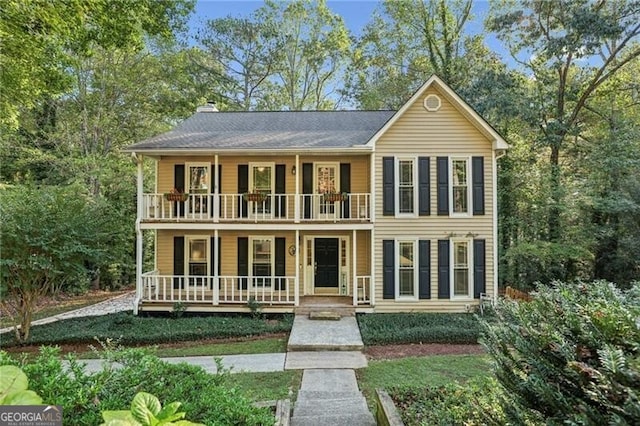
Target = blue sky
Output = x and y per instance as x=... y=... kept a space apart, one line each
x=356 y=14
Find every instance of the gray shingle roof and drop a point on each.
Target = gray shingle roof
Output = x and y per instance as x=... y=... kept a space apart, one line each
x=269 y=130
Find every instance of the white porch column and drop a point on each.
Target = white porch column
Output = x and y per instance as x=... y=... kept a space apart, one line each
x=139 y=239
x=216 y=193
x=296 y=203
x=216 y=277
x=354 y=266
x=372 y=270
x=297 y=283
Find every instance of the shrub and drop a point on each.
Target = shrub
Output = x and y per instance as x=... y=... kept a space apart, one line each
x=474 y=403
x=570 y=356
x=384 y=329
x=129 y=329
x=208 y=399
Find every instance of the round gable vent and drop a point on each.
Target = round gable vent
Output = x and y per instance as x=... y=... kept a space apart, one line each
x=432 y=103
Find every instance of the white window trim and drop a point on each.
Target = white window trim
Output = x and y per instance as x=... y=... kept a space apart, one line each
x=187 y=180
x=335 y=165
x=467 y=159
x=396 y=189
x=272 y=240
x=469 y=295
x=262 y=164
x=207 y=240
x=396 y=271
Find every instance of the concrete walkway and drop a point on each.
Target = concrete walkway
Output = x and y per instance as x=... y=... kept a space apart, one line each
x=120 y=303
x=325 y=335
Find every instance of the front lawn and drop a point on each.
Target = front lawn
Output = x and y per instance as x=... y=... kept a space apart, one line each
x=420 y=372
x=268 y=386
x=127 y=329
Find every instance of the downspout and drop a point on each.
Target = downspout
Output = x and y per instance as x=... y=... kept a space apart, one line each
x=494 y=173
x=139 y=239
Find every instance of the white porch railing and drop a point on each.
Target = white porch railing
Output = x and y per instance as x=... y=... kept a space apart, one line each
x=362 y=290
x=216 y=290
x=274 y=207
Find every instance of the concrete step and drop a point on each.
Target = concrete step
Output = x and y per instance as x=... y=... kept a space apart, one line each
x=325 y=315
x=304 y=360
x=363 y=419
x=342 y=311
x=304 y=395
x=323 y=335
x=320 y=407
x=332 y=380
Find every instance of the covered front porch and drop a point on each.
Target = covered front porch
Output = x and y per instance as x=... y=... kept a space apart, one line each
x=229 y=271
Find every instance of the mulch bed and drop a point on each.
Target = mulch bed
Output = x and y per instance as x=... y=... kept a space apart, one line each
x=419 y=349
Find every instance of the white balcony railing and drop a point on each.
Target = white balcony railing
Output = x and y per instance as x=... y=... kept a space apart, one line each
x=271 y=208
x=217 y=290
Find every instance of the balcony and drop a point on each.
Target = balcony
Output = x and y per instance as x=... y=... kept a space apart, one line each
x=351 y=207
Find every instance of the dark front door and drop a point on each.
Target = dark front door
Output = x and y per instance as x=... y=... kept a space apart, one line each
x=326 y=262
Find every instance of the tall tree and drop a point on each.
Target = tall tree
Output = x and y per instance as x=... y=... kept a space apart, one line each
x=244 y=54
x=315 y=46
x=571 y=47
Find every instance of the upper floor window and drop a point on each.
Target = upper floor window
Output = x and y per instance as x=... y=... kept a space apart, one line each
x=460 y=186
x=262 y=181
x=198 y=187
x=406 y=186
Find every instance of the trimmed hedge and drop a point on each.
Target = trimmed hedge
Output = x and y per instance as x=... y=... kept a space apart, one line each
x=385 y=329
x=126 y=328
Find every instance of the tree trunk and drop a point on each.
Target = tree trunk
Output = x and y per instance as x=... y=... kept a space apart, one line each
x=556 y=195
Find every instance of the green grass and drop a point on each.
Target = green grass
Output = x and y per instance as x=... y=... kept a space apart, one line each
x=385 y=329
x=420 y=371
x=126 y=329
x=268 y=386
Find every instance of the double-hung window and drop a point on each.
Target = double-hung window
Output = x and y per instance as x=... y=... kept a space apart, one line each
x=197 y=260
x=262 y=259
x=406 y=186
x=460 y=186
x=407 y=269
x=262 y=181
x=461 y=268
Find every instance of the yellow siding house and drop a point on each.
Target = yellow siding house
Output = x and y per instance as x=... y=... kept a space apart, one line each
x=381 y=211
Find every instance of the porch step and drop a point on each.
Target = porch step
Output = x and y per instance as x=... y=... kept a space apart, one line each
x=316 y=310
x=325 y=315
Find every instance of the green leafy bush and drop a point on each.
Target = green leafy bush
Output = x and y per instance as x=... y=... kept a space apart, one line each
x=146 y=410
x=544 y=261
x=474 y=403
x=129 y=329
x=382 y=329
x=570 y=356
x=209 y=399
x=14 y=387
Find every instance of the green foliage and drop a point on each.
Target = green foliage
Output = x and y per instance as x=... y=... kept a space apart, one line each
x=129 y=329
x=255 y=307
x=543 y=261
x=474 y=403
x=147 y=411
x=49 y=236
x=570 y=356
x=380 y=329
x=209 y=399
x=14 y=386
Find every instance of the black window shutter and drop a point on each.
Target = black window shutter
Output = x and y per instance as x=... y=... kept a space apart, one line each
x=243 y=186
x=442 y=170
x=443 y=270
x=424 y=269
x=388 y=269
x=178 y=262
x=243 y=262
x=280 y=264
x=212 y=256
x=388 y=186
x=345 y=186
x=307 y=187
x=178 y=184
x=424 y=195
x=477 y=173
x=479 y=269
x=281 y=202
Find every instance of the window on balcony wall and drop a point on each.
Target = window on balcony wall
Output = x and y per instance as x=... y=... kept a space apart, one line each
x=261 y=180
x=198 y=186
x=262 y=260
x=197 y=260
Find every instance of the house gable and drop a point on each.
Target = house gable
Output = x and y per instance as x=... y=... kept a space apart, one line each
x=445 y=120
